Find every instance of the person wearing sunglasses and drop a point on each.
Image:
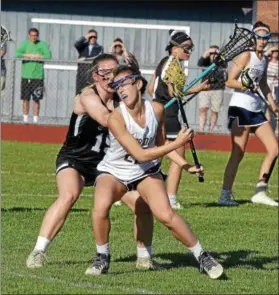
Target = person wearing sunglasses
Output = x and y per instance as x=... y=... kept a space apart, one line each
x=245 y=116
x=212 y=98
x=88 y=49
x=180 y=45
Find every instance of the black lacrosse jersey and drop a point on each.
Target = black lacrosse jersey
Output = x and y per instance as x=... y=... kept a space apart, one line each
x=161 y=93
x=86 y=140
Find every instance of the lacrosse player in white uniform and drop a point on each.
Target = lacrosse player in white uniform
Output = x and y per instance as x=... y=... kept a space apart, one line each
x=246 y=115
x=137 y=142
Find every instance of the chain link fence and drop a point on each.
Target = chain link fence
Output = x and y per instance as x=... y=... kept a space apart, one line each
x=62 y=81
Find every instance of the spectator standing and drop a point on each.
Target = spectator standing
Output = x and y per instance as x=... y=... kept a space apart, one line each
x=3 y=67
x=32 y=51
x=88 y=49
x=212 y=98
x=119 y=50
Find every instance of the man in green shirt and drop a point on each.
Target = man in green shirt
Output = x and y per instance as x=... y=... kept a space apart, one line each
x=32 y=72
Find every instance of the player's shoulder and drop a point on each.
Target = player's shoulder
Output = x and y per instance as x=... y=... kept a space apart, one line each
x=158 y=109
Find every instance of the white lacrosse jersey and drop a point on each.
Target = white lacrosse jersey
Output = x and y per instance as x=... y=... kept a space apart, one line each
x=249 y=100
x=117 y=161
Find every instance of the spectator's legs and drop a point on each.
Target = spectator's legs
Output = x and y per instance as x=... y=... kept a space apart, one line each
x=203 y=117
x=216 y=99
x=25 y=106
x=36 y=110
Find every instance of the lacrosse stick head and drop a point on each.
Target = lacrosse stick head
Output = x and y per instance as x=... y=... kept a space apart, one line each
x=241 y=40
x=174 y=76
x=5 y=35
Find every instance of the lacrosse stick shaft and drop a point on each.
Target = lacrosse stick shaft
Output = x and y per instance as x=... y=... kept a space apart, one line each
x=265 y=101
x=192 y=146
x=190 y=98
x=192 y=83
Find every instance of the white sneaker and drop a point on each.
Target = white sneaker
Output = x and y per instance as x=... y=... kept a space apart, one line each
x=25 y=118
x=227 y=200
x=36 y=259
x=262 y=198
x=35 y=119
x=176 y=206
x=117 y=203
x=146 y=263
x=208 y=264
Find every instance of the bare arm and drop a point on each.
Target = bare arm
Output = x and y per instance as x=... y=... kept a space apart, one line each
x=117 y=126
x=238 y=66
x=151 y=83
x=161 y=140
x=94 y=108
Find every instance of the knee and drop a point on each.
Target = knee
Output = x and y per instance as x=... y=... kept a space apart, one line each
x=273 y=152
x=166 y=217
x=101 y=211
x=238 y=153
x=68 y=199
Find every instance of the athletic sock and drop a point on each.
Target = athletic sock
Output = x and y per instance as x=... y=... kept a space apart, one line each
x=103 y=249
x=196 y=250
x=25 y=118
x=35 y=119
x=143 y=252
x=42 y=244
x=172 y=199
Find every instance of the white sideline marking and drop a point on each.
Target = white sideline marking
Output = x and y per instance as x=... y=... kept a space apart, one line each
x=86 y=285
x=110 y=24
x=167 y=27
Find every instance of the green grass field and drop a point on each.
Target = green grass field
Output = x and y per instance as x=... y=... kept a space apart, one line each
x=244 y=239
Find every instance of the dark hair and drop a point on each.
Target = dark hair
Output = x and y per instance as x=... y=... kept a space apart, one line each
x=118 y=40
x=214 y=46
x=33 y=30
x=177 y=38
x=134 y=71
x=101 y=58
x=93 y=31
x=261 y=24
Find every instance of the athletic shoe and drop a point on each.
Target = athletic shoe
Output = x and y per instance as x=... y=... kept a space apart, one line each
x=100 y=265
x=117 y=203
x=210 y=265
x=227 y=200
x=25 y=119
x=146 y=263
x=262 y=198
x=176 y=206
x=36 y=259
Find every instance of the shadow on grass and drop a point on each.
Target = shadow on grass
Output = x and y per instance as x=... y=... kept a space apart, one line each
x=22 y=209
x=215 y=204
x=231 y=259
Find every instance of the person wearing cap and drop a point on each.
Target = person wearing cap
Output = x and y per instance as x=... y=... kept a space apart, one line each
x=272 y=79
x=88 y=49
x=180 y=45
x=245 y=116
x=212 y=98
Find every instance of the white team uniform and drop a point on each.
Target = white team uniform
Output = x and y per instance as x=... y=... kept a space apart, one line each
x=247 y=106
x=118 y=162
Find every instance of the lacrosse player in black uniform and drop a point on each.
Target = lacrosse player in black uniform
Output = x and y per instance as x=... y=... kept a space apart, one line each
x=85 y=146
x=181 y=46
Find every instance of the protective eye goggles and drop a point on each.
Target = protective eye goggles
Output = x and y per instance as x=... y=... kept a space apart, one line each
x=126 y=80
x=262 y=37
x=104 y=72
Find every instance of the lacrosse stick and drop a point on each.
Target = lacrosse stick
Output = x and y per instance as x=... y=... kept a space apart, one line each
x=175 y=78
x=185 y=101
x=5 y=36
x=241 y=40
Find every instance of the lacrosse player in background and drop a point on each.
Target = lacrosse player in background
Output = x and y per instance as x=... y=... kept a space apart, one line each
x=137 y=142
x=249 y=70
x=181 y=46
